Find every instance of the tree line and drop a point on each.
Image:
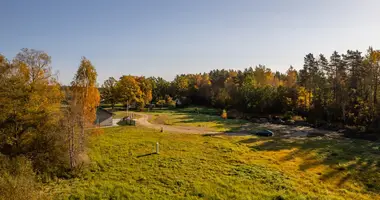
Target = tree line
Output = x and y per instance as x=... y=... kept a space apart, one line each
x=340 y=89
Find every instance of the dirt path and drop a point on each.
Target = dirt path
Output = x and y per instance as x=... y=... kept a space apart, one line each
x=143 y=121
x=246 y=129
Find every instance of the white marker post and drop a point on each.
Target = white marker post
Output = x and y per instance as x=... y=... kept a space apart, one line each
x=157 y=148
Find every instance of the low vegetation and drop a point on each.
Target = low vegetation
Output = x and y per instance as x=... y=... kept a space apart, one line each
x=222 y=167
x=195 y=116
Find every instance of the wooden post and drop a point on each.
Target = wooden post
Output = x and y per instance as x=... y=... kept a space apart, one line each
x=157 y=148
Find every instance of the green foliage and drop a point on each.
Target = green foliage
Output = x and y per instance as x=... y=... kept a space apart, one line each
x=17 y=180
x=169 y=102
x=109 y=92
x=342 y=89
x=32 y=139
x=160 y=88
x=288 y=115
x=30 y=113
x=160 y=103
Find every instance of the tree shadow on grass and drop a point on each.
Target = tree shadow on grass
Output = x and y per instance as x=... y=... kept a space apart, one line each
x=193 y=115
x=125 y=123
x=230 y=125
x=213 y=134
x=344 y=159
x=148 y=154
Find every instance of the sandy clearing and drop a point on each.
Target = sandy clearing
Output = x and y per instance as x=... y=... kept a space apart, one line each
x=285 y=131
x=143 y=121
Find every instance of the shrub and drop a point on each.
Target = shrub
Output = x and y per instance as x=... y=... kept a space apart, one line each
x=17 y=179
x=140 y=106
x=170 y=102
x=48 y=153
x=183 y=102
x=160 y=103
x=288 y=115
x=224 y=114
x=234 y=114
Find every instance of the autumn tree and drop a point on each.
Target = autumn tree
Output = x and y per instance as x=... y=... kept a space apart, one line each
x=30 y=102
x=86 y=97
x=373 y=60
x=129 y=91
x=146 y=91
x=291 y=77
x=181 y=84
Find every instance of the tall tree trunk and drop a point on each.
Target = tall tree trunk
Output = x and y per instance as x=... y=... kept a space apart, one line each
x=71 y=147
x=375 y=89
x=83 y=121
x=81 y=140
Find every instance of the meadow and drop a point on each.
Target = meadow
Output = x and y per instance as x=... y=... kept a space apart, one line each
x=207 y=118
x=189 y=166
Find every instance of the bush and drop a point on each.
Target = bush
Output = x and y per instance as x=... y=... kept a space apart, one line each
x=170 y=103
x=17 y=179
x=48 y=153
x=183 y=102
x=224 y=114
x=234 y=114
x=288 y=115
x=140 y=106
x=160 y=103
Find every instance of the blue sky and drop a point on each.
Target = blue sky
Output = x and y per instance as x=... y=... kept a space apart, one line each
x=165 y=38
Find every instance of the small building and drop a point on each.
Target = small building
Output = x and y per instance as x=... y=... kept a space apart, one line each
x=103 y=117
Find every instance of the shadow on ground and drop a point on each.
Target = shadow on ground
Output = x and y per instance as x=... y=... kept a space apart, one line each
x=347 y=159
x=189 y=116
x=144 y=155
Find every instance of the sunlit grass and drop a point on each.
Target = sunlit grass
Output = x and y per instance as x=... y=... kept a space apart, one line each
x=190 y=117
x=122 y=114
x=222 y=167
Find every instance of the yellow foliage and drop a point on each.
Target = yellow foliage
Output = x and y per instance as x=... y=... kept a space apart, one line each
x=304 y=97
x=129 y=90
x=86 y=95
x=91 y=103
x=224 y=114
x=291 y=77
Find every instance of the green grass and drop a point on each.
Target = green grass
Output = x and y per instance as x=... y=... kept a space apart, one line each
x=120 y=114
x=221 y=167
x=190 y=117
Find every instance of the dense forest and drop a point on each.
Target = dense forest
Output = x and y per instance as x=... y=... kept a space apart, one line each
x=341 y=89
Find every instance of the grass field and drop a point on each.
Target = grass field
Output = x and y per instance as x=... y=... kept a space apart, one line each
x=191 y=117
x=122 y=113
x=222 y=167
